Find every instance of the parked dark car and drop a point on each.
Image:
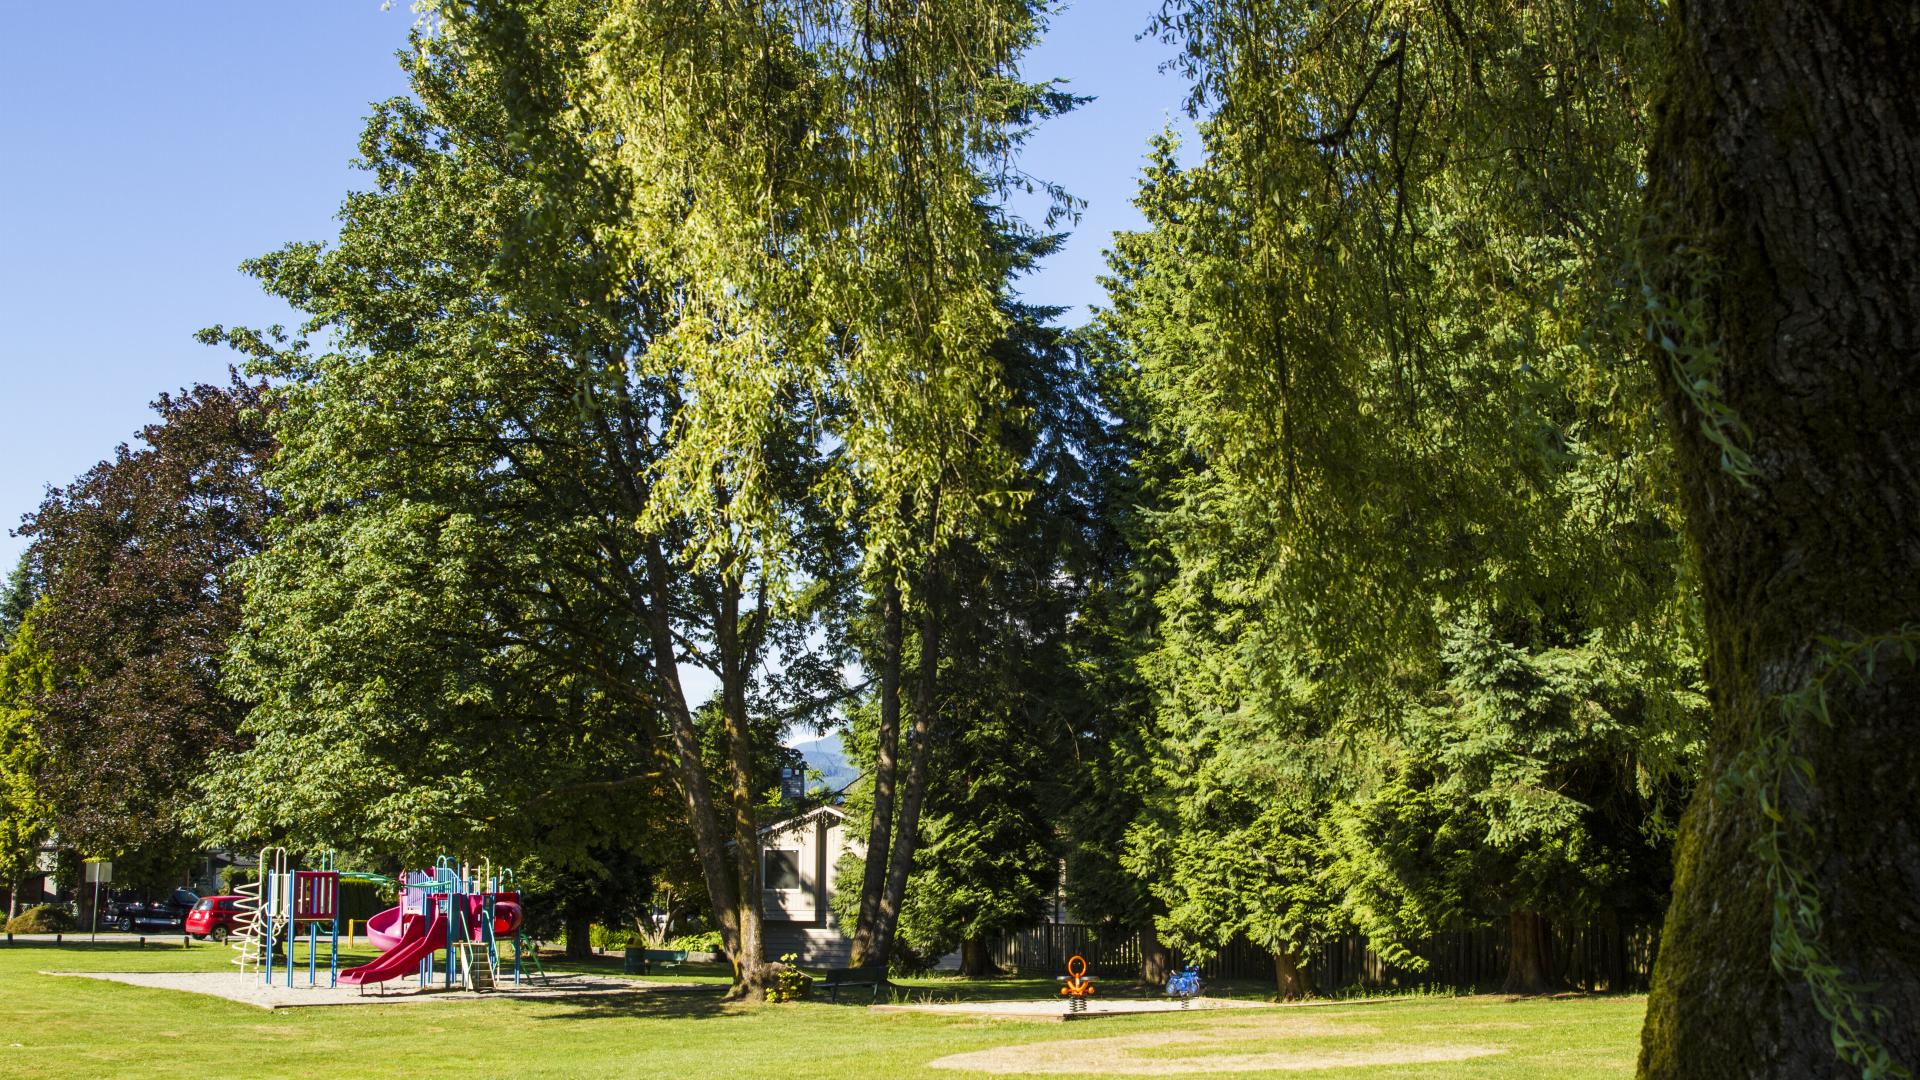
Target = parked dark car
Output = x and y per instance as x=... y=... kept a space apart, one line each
x=127 y=912
x=214 y=917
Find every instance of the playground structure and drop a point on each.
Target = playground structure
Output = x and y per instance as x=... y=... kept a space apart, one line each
x=1079 y=986
x=274 y=909
x=1184 y=985
x=449 y=925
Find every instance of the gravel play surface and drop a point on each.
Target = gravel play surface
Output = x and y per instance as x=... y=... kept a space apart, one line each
x=249 y=990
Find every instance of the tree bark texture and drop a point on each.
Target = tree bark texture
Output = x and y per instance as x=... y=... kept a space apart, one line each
x=1529 y=954
x=919 y=749
x=1618 y=978
x=752 y=974
x=738 y=917
x=1291 y=979
x=873 y=877
x=1156 y=963
x=975 y=960
x=1784 y=194
x=579 y=937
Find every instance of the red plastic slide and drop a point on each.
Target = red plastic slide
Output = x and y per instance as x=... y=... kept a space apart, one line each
x=386 y=930
x=403 y=959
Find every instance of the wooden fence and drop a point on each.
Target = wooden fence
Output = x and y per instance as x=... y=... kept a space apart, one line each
x=1589 y=958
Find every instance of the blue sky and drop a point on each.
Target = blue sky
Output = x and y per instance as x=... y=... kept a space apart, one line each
x=149 y=148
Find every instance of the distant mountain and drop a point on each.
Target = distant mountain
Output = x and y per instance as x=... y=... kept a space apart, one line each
x=825 y=756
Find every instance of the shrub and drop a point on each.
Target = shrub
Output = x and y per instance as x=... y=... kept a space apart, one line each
x=611 y=938
x=707 y=942
x=43 y=919
x=789 y=982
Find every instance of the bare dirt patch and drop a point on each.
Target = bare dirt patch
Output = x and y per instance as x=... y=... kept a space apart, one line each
x=1144 y=1054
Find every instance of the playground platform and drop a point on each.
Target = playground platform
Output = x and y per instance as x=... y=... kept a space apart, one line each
x=249 y=990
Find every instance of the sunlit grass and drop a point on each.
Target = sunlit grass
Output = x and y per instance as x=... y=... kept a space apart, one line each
x=57 y=1027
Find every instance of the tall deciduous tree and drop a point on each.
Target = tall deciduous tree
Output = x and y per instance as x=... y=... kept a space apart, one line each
x=1000 y=685
x=26 y=676
x=812 y=199
x=1783 y=244
x=480 y=587
x=139 y=602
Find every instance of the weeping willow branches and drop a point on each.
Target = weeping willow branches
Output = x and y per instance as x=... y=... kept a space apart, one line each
x=812 y=179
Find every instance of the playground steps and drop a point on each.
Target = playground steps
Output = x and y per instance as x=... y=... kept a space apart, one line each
x=478 y=963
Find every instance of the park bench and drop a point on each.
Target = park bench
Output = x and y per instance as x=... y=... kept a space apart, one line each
x=874 y=975
x=641 y=961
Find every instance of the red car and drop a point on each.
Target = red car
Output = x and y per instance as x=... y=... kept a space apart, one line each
x=215 y=917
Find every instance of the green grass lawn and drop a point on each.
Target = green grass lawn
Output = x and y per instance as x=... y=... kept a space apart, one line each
x=56 y=1027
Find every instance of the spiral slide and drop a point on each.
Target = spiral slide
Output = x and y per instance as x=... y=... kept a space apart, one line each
x=384 y=929
x=403 y=958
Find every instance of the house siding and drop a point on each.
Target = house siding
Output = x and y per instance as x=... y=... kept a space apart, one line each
x=811 y=946
x=800 y=921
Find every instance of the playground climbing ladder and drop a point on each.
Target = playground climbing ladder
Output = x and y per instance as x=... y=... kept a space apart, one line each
x=250 y=945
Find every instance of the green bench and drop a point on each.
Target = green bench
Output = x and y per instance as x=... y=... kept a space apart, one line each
x=874 y=975
x=642 y=961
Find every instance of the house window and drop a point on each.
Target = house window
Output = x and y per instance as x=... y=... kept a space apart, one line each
x=783 y=870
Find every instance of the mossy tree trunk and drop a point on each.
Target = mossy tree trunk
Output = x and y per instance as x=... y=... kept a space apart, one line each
x=1784 y=198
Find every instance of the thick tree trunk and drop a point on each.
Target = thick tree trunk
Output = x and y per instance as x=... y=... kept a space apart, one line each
x=1291 y=979
x=752 y=973
x=919 y=748
x=579 y=937
x=975 y=961
x=1529 y=954
x=1618 y=979
x=1785 y=193
x=873 y=877
x=1156 y=963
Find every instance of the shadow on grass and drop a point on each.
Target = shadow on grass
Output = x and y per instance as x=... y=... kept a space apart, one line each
x=691 y=1003
x=153 y=945
x=709 y=976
